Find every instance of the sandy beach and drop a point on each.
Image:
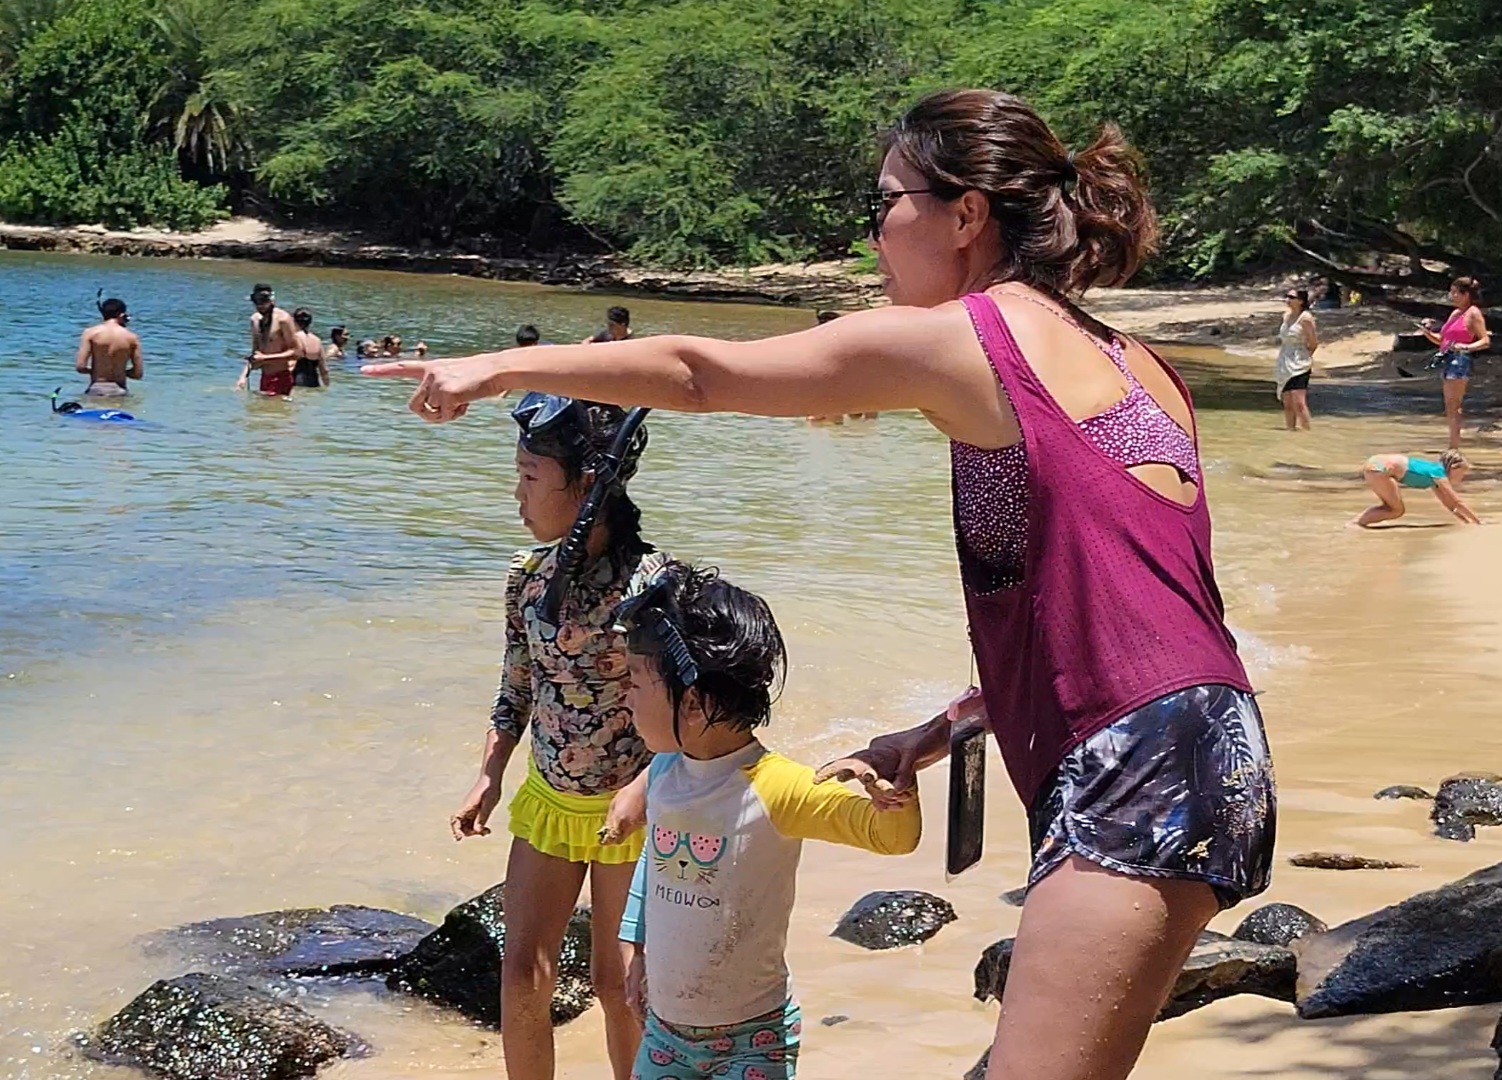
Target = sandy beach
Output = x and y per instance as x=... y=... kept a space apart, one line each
x=276 y=699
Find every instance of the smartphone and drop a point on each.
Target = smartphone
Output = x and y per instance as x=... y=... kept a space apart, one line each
x=967 y=799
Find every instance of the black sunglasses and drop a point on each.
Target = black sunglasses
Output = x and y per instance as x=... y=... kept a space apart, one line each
x=650 y=630
x=879 y=204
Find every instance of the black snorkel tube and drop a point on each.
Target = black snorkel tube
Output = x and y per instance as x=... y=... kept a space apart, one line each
x=571 y=552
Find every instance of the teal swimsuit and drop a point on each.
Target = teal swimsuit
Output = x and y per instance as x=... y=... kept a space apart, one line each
x=1422 y=474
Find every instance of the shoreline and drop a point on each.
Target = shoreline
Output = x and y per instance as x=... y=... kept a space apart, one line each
x=817 y=284
x=1239 y=316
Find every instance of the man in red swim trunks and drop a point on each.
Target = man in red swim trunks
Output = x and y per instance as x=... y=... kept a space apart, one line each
x=273 y=343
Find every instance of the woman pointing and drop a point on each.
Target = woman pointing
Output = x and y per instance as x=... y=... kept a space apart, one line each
x=1112 y=685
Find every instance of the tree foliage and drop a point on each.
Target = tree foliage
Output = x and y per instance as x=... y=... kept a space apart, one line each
x=703 y=131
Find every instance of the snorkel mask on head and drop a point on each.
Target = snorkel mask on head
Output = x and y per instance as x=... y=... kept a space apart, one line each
x=558 y=427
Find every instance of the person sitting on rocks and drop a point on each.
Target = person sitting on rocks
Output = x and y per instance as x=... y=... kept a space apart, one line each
x=108 y=353
x=726 y=821
x=1388 y=474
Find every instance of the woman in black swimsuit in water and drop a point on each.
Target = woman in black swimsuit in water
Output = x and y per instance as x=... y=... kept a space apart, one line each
x=311 y=369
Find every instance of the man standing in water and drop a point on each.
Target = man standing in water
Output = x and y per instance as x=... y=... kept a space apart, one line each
x=108 y=353
x=273 y=343
x=617 y=327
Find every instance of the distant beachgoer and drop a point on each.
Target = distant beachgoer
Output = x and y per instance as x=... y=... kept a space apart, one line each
x=1125 y=717
x=1326 y=294
x=726 y=822
x=617 y=327
x=310 y=369
x=1464 y=333
x=338 y=339
x=369 y=349
x=527 y=336
x=1388 y=474
x=391 y=346
x=1297 y=341
x=273 y=343
x=109 y=354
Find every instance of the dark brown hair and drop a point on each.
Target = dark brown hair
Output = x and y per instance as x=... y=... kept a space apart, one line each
x=1302 y=296
x=1068 y=221
x=1470 y=286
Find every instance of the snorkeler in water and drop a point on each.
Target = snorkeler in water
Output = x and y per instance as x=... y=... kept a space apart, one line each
x=108 y=353
x=1388 y=474
x=273 y=344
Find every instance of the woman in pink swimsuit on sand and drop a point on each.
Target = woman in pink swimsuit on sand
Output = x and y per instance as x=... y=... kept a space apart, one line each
x=1106 y=670
x=1465 y=332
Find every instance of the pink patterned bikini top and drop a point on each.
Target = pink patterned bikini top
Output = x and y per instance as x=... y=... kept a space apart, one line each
x=990 y=486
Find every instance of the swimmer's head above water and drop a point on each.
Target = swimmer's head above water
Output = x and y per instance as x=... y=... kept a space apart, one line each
x=527 y=334
x=113 y=309
x=703 y=653
x=263 y=297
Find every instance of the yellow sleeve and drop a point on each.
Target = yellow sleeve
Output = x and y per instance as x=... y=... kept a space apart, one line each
x=800 y=808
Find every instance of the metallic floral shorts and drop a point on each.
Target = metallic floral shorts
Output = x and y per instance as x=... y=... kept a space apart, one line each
x=1181 y=788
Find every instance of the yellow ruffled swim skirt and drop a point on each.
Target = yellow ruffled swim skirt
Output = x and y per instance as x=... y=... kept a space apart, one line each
x=565 y=825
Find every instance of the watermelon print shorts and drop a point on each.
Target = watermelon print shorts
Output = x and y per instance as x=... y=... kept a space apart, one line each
x=1182 y=788
x=764 y=1048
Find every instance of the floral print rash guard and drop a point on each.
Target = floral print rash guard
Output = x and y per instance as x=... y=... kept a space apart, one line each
x=570 y=680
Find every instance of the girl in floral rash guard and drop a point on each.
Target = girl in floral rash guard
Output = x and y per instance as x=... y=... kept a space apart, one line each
x=565 y=677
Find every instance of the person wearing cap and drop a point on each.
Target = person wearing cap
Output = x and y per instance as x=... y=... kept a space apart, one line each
x=273 y=344
x=108 y=353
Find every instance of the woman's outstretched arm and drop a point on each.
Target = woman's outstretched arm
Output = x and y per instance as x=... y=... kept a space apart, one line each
x=889 y=358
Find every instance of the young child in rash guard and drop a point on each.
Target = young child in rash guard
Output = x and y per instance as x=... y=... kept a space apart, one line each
x=726 y=820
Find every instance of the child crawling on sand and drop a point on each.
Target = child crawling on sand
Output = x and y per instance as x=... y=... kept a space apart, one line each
x=1388 y=474
x=726 y=820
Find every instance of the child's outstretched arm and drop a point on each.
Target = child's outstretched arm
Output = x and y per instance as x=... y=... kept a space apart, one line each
x=797 y=806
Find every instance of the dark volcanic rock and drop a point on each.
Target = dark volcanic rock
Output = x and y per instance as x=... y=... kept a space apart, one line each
x=1278 y=924
x=1015 y=898
x=1464 y=802
x=1497 y=1046
x=1218 y=967
x=889 y=920
x=341 y=940
x=1222 y=967
x=459 y=964
x=211 y=1027
x=1327 y=860
x=835 y=1021
x=1435 y=950
x=1403 y=791
x=978 y=1070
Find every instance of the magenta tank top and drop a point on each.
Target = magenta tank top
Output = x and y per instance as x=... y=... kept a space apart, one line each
x=1455 y=331
x=1116 y=604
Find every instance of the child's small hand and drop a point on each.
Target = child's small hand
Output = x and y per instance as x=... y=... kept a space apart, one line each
x=479 y=804
x=627 y=813
x=636 y=983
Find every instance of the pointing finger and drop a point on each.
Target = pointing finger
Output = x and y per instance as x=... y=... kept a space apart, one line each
x=396 y=369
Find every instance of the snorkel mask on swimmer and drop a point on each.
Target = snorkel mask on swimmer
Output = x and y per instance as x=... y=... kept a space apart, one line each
x=558 y=427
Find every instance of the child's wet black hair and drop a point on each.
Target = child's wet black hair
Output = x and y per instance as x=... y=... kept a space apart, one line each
x=733 y=639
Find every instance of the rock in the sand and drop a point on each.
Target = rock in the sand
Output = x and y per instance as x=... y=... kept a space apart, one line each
x=1219 y=967
x=891 y=919
x=1464 y=802
x=835 y=1021
x=1015 y=898
x=1329 y=860
x=1436 y=950
x=459 y=964
x=1403 y=791
x=978 y=1070
x=1278 y=924
x=342 y=940
x=212 y=1027
x=1222 y=967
